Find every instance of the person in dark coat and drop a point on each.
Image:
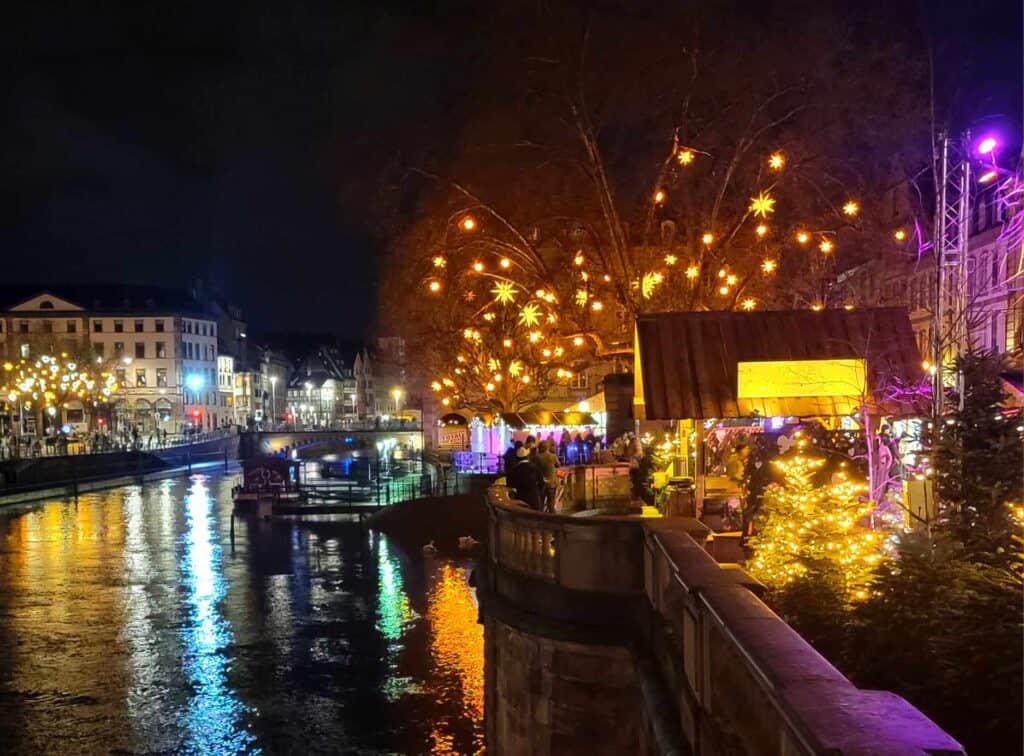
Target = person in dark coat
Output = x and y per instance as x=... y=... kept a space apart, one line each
x=508 y=459
x=525 y=479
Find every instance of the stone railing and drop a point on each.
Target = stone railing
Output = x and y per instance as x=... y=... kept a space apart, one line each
x=718 y=671
x=596 y=554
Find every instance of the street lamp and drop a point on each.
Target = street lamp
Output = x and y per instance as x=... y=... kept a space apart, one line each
x=396 y=393
x=273 y=396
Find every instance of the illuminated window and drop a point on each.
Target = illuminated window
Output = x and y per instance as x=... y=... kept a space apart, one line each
x=140 y=377
x=161 y=350
x=118 y=348
x=25 y=351
x=118 y=326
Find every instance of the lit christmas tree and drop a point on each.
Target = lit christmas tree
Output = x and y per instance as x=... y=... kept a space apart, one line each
x=812 y=530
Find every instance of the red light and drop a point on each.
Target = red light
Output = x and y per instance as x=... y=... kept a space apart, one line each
x=100 y=420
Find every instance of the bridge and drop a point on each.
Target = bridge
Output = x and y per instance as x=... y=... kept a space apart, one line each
x=320 y=442
x=677 y=652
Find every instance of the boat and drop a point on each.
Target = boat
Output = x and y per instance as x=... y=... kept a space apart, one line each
x=265 y=481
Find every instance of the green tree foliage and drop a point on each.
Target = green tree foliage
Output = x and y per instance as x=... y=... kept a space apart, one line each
x=979 y=458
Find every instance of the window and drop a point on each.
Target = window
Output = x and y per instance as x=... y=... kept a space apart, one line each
x=161 y=350
x=188 y=349
x=580 y=381
x=204 y=329
x=118 y=326
x=120 y=376
x=140 y=326
x=72 y=326
x=23 y=326
x=46 y=304
x=97 y=350
x=25 y=351
x=995 y=268
x=118 y=348
x=161 y=377
x=140 y=377
x=158 y=326
x=47 y=326
x=140 y=349
x=97 y=326
x=188 y=326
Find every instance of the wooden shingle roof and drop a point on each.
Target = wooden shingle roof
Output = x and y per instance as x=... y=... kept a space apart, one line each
x=688 y=361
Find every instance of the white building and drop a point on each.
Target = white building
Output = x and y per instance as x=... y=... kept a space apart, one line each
x=161 y=345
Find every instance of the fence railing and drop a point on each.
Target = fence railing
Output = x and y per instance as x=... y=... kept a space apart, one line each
x=28 y=447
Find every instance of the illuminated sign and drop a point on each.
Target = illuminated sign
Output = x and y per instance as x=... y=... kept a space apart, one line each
x=801 y=378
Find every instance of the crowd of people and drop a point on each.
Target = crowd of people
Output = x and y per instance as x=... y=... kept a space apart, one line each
x=531 y=472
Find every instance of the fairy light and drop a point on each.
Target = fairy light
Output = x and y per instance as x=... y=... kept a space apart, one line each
x=769 y=266
x=505 y=263
x=761 y=229
x=659 y=196
x=435 y=286
x=731 y=279
x=825 y=246
x=708 y=238
x=577 y=341
x=900 y=234
x=596 y=306
x=803 y=237
x=723 y=290
x=685 y=157
x=776 y=161
x=692 y=271
x=669 y=260
x=468 y=223
x=749 y=303
x=808 y=526
x=851 y=208
x=478 y=266
x=578 y=260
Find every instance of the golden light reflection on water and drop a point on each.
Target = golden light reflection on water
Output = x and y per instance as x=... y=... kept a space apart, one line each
x=457 y=649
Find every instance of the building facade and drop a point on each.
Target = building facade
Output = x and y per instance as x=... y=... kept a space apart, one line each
x=160 y=345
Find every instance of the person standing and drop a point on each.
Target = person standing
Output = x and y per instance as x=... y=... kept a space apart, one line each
x=524 y=478
x=547 y=464
x=508 y=459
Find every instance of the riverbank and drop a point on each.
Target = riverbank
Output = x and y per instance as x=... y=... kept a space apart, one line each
x=34 y=478
x=441 y=519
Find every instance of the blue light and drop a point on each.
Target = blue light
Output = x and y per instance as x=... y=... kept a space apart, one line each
x=195 y=381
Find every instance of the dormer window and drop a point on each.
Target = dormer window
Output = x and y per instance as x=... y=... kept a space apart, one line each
x=46 y=304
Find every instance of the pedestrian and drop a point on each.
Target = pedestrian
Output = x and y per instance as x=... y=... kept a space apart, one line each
x=531 y=444
x=524 y=479
x=563 y=448
x=508 y=460
x=737 y=463
x=547 y=465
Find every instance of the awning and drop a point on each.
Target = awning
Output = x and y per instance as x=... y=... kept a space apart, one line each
x=547 y=419
x=793 y=363
x=593 y=403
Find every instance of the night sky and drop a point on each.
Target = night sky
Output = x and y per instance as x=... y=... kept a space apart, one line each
x=247 y=145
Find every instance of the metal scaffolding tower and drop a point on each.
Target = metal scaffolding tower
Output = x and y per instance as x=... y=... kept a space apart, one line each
x=952 y=228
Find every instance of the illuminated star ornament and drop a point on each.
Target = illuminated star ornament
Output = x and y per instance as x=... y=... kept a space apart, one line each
x=776 y=161
x=685 y=157
x=504 y=292
x=851 y=208
x=762 y=205
x=529 y=315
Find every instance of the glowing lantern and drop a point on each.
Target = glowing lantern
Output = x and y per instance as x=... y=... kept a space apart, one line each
x=468 y=223
x=776 y=161
x=851 y=208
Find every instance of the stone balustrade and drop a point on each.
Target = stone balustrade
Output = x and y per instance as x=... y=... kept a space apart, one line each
x=716 y=671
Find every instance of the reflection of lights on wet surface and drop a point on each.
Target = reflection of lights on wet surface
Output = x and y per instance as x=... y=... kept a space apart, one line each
x=211 y=717
x=457 y=649
x=394 y=615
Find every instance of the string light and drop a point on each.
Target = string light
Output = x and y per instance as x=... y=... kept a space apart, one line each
x=669 y=260
x=505 y=263
x=579 y=259
x=900 y=234
x=468 y=223
x=776 y=161
x=685 y=157
x=692 y=271
x=478 y=266
x=435 y=286
x=596 y=306
x=768 y=266
x=761 y=229
x=707 y=238
x=803 y=237
x=825 y=246
x=659 y=197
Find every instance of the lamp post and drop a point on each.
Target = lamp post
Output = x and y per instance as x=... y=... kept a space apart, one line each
x=273 y=398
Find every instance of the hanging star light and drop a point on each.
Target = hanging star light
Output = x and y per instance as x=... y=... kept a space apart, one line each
x=670 y=259
x=851 y=208
x=825 y=246
x=504 y=292
x=762 y=205
x=647 y=285
x=749 y=303
x=581 y=297
x=493 y=365
x=768 y=266
x=692 y=271
x=439 y=261
x=529 y=315
x=685 y=157
x=761 y=229
x=515 y=368
x=776 y=161
x=803 y=237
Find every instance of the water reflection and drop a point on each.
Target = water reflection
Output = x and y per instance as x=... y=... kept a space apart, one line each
x=212 y=717
x=133 y=622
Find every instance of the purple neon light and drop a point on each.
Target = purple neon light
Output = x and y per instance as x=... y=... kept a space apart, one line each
x=987 y=145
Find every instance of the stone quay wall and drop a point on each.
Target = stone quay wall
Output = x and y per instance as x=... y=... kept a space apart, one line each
x=715 y=671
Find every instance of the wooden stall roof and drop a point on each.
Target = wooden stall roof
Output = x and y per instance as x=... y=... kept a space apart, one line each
x=688 y=361
x=547 y=418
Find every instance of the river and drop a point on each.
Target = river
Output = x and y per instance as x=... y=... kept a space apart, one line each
x=132 y=622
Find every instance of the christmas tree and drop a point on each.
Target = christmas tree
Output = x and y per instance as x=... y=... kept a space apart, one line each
x=812 y=529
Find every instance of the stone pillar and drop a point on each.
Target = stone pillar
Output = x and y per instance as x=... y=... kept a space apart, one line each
x=546 y=697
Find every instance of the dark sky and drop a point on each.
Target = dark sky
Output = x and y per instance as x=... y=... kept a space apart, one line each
x=243 y=144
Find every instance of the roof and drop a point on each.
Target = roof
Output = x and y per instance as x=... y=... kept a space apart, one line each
x=688 y=362
x=106 y=298
x=545 y=418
